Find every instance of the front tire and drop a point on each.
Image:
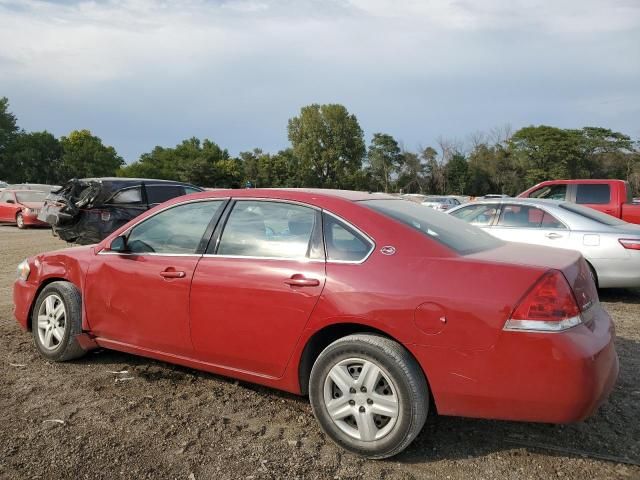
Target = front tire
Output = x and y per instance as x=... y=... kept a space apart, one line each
x=56 y=321
x=20 y=221
x=369 y=395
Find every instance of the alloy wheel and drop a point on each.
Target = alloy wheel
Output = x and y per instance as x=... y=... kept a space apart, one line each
x=52 y=322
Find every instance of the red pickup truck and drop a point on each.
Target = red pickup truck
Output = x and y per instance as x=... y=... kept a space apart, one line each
x=608 y=196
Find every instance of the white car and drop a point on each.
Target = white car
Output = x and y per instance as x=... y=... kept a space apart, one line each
x=611 y=246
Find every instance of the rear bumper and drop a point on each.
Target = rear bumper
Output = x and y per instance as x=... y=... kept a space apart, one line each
x=553 y=377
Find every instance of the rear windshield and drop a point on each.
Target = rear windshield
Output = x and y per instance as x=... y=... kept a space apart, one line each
x=592 y=214
x=30 y=196
x=454 y=233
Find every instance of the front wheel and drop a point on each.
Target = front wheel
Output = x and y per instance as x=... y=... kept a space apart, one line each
x=369 y=395
x=20 y=221
x=56 y=321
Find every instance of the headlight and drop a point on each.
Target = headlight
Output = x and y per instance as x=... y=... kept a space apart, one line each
x=24 y=270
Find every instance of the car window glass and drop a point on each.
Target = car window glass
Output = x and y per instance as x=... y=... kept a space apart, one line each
x=5 y=196
x=268 y=229
x=177 y=230
x=129 y=195
x=191 y=190
x=552 y=192
x=597 y=193
x=161 y=193
x=480 y=214
x=525 y=216
x=31 y=196
x=342 y=242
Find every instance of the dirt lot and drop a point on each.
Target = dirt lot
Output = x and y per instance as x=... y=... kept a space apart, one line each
x=83 y=420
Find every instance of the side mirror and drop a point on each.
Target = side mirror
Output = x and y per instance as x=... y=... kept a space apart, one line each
x=11 y=201
x=119 y=244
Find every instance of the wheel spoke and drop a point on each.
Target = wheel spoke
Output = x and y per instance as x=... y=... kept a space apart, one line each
x=339 y=408
x=341 y=378
x=58 y=332
x=369 y=376
x=43 y=321
x=47 y=338
x=58 y=312
x=49 y=305
x=366 y=427
x=385 y=405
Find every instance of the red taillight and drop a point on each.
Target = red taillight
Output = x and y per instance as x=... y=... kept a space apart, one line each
x=549 y=306
x=630 y=243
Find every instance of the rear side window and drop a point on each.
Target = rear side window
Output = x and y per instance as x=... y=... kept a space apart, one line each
x=161 y=193
x=342 y=242
x=455 y=234
x=595 y=194
x=552 y=192
x=129 y=195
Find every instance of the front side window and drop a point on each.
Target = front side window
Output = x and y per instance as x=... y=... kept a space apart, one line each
x=268 y=229
x=525 y=216
x=593 y=193
x=445 y=229
x=129 y=195
x=177 y=230
x=32 y=196
x=480 y=214
x=5 y=197
x=551 y=192
x=342 y=242
x=161 y=193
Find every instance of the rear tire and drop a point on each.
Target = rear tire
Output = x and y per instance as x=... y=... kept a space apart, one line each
x=20 y=221
x=56 y=321
x=369 y=395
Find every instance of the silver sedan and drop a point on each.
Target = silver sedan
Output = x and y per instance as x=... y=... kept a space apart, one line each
x=610 y=245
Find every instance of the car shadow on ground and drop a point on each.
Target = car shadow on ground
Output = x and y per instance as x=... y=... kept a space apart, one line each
x=620 y=295
x=611 y=434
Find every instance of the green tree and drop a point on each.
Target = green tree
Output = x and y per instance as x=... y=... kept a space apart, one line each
x=457 y=174
x=8 y=131
x=35 y=158
x=385 y=159
x=329 y=143
x=412 y=177
x=84 y=155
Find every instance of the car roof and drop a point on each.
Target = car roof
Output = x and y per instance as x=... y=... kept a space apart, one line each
x=524 y=200
x=581 y=180
x=300 y=194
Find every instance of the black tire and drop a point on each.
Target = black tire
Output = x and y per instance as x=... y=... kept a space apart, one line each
x=20 y=221
x=409 y=386
x=67 y=348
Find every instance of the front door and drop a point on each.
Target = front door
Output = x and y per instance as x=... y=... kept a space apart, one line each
x=141 y=297
x=7 y=209
x=252 y=295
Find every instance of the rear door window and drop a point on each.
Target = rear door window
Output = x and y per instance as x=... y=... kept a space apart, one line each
x=593 y=193
x=525 y=216
x=128 y=195
x=161 y=193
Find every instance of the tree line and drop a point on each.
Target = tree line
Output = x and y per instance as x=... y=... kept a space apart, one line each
x=328 y=150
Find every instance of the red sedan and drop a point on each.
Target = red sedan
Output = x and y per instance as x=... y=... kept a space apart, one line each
x=375 y=307
x=21 y=207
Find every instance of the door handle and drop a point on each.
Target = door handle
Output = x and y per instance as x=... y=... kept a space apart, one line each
x=553 y=236
x=172 y=274
x=301 y=281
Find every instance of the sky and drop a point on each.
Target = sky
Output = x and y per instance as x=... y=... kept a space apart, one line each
x=141 y=73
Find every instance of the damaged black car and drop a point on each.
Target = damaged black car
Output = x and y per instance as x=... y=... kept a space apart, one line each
x=85 y=211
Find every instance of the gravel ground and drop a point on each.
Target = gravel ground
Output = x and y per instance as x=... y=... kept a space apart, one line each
x=112 y=415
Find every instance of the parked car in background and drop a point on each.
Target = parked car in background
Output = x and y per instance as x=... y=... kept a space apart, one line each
x=494 y=195
x=440 y=203
x=613 y=197
x=374 y=306
x=86 y=211
x=21 y=207
x=610 y=245
x=3 y=185
x=40 y=187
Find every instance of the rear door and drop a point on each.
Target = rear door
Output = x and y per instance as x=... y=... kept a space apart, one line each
x=529 y=224
x=254 y=290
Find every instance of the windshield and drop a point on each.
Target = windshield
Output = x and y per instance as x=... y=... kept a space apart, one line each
x=454 y=233
x=23 y=197
x=435 y=200
x=592 y=214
